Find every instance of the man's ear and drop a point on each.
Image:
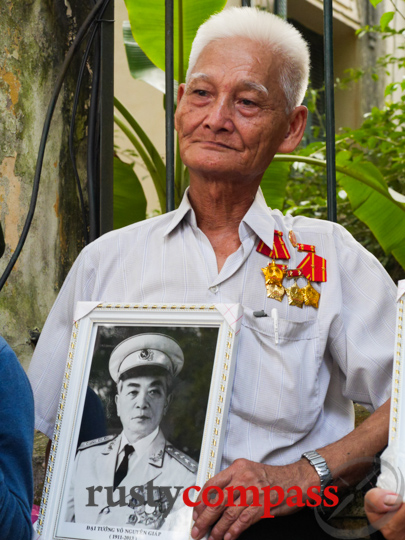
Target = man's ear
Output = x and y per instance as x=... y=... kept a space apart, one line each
x=180 y=94
x=167 y=404
x=297 y=123
x=117 y=404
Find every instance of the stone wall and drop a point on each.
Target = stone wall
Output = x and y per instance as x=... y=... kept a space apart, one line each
x=34 y=38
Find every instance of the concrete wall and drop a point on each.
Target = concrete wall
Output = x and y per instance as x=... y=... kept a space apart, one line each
x=34 y=37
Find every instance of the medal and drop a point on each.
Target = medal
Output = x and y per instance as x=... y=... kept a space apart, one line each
x=306 y=247
x=311 y=295
x=294 y=273
x=295 y=295
x=313 y=267
x=275 y=291
x=292 y=238
x=279 y=250
x=274 y=275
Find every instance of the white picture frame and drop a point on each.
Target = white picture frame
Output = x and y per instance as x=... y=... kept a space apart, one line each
x=396 y=440
x=208 y=336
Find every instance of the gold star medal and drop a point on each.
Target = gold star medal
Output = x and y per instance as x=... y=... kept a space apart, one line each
x=274 y=278
x=311 y=295
x=295 y=295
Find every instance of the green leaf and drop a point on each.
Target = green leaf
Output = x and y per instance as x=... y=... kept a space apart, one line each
x=139 y=64
x=390 y=88
x=145 y=149
x=372 y=142
x=147 y=143
x=375 y=2
x=274 y=184
x=386 y=19
x=384 y=216
x=129 y=204
x=147 y=18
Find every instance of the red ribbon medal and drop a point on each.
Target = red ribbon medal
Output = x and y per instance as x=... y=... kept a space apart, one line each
x=279 y=250
x=313 y=267
x=306 y=247
x=294 y=273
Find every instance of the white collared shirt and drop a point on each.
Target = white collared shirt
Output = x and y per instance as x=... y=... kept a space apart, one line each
x=288 y=397
x=140 y=448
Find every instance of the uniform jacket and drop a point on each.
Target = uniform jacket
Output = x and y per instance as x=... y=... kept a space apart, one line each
x=95 y=466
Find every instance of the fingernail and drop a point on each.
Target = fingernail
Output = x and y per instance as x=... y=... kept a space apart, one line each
x=228 y=536
x=391 y=500
x=195 y=515
x=194 y=532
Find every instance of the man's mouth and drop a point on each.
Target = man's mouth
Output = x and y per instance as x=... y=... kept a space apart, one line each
x=216 y=144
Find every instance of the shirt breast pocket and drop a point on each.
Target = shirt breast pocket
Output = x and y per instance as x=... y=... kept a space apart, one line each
x=277 y=382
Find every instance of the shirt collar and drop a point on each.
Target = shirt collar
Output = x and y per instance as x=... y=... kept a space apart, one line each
x=142 y=445
x=258 y=218
x=184 y=208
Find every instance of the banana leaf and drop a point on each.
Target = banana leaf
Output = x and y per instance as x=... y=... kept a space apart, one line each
x=274 y=184
x=384 y=216
x=129 y=202
x=147 y=19
x=139 y=64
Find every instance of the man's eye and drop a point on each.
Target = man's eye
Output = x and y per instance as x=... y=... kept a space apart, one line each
x=155 y=392
x=247 y=102
x=201 y=93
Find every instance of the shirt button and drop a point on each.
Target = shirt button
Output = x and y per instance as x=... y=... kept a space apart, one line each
x=214 y=289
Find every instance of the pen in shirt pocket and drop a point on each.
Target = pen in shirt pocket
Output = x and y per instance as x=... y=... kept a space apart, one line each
x=274 y=316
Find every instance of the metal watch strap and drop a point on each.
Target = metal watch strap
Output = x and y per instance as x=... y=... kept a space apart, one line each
x=321 y=467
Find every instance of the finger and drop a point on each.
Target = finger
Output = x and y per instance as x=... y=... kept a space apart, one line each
x=220 y=480
x=246 y=518
x=213 y=510
x=380 y=501
x=227 y=508
x=209 y=494
x=230 y=515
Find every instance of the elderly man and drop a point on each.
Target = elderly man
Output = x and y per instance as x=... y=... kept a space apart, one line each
x=139 y=458
x=330 y=336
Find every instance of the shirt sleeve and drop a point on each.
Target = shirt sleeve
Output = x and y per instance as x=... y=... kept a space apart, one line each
x=362 y=335
x=49 y=359
x=16 y=446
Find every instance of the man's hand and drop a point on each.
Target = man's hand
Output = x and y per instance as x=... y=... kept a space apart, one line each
x=386 y=512
x=231 y=521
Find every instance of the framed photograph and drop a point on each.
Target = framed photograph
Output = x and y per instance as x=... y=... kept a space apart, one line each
x=395 y=453
x=141 y=419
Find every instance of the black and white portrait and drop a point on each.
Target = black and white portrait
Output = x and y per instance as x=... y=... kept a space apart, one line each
x=142 y=425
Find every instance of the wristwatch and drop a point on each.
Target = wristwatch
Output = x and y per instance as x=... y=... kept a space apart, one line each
x=319 y=464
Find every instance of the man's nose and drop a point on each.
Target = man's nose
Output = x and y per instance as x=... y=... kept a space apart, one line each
x=219 y=116
x=142 y=400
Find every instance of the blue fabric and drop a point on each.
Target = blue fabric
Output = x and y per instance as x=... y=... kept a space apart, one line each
x=16 y=445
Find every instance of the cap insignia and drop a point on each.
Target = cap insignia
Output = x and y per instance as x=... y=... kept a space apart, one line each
x=146 y=354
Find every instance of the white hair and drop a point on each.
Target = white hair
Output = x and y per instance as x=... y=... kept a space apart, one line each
x=278 y=35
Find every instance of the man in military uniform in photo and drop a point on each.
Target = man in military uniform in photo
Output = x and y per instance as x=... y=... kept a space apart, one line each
x=139 y=458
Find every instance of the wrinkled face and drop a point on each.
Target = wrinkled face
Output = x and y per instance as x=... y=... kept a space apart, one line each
x=231 y=115
x=141 y=403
